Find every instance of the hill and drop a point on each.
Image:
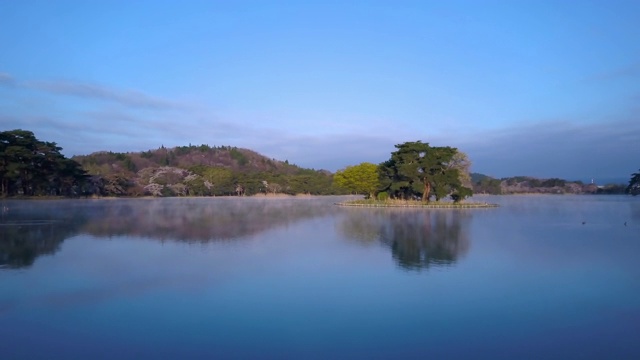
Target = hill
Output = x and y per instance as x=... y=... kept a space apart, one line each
x=199 y=171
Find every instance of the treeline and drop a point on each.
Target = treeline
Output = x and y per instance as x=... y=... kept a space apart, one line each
x=30 y=167
x=483 y=184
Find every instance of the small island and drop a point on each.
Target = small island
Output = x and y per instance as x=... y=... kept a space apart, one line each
x=415 y=174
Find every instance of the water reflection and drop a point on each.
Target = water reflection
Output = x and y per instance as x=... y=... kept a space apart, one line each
x=418 y=239
x=635 y=211
x=198 y=220
x=29 y=229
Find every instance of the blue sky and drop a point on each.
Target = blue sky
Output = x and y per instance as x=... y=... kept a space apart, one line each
x=541 y=88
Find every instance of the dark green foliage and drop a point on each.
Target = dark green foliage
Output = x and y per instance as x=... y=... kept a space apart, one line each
x=484 y=184
x=197 y=187
x=128 y=164
x=118 y=156
x=167 y=192
x=534 y=182
x=419 y=171
x=238 y=156
x=634 y=184
x=553 y=182
x=115 y=185
x=382 y=196
x=461 y=194
x=30 y=167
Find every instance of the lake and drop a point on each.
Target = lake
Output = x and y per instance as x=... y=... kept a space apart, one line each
x=540 y=277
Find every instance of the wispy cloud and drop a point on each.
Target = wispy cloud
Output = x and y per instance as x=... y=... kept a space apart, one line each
x=546 y=149
x=6 y=79
x=128 y=98
x=94 y=91
x=631 y=70
x=126 y=121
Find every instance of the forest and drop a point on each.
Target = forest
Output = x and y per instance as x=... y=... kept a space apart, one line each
x=31 y=167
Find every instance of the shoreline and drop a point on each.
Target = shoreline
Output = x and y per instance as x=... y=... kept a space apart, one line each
x=418 y=205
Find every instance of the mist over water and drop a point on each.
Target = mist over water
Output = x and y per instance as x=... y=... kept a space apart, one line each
x=538 y=277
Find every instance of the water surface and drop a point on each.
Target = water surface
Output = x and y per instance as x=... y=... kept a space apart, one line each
x=554 y=277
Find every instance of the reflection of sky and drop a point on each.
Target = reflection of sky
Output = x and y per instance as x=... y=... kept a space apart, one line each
x=534 y=282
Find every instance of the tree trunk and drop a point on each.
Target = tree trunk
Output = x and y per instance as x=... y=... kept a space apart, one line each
x=427 y=190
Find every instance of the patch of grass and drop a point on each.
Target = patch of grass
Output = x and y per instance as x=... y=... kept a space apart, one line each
x=414 y=203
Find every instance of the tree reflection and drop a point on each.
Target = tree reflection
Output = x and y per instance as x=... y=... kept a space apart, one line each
x=29 y=231
x=418 y=239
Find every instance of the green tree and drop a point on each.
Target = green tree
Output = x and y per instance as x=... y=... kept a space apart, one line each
x=360 y=179
x=416 y=169
x=634 y=184
x=30 y=167
x=221 y=178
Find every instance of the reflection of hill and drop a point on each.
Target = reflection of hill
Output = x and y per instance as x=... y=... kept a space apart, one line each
x=198 y=220
x=417 y=239
x=29 y=230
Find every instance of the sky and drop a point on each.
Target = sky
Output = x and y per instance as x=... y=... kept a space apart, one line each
x=537 y=88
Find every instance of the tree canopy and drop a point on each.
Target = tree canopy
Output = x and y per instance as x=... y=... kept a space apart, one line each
x=31 y=167
x=418 y=170
x=359 y=179
x=634 y=184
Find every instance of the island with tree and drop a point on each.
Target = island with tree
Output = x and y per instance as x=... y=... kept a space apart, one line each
x=415 y=175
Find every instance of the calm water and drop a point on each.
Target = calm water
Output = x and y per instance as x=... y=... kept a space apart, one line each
x=301 y=278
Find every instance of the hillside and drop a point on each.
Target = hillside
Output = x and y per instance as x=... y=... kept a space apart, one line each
x=199 y=171
x=483 y=184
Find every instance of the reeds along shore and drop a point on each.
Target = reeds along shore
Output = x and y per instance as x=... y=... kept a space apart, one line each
x=415 y=204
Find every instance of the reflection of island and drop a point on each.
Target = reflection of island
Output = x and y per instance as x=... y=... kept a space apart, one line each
x=418 y=239
x=29 y=230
